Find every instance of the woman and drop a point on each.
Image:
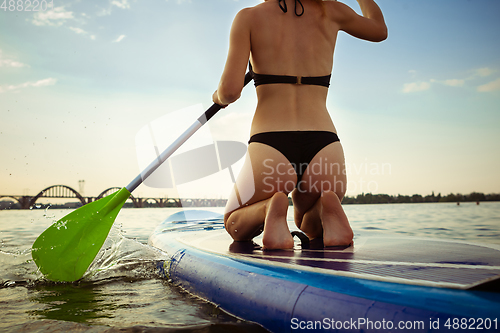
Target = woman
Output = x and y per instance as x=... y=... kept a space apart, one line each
x=293 y=144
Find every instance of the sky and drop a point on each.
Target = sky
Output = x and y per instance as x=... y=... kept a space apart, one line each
x=417 y=113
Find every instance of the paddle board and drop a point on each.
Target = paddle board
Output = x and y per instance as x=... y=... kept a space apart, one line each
x=379 y=284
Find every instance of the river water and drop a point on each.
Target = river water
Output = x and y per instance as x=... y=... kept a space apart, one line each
x=122 y=291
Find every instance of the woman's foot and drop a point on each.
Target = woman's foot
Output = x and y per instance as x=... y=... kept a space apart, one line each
x=336 y=228
x=276 y=232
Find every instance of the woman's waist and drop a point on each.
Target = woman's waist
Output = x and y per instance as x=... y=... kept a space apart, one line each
x=275 y=120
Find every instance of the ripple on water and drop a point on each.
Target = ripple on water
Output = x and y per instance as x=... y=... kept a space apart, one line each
x=435 y=229
x=483 y=229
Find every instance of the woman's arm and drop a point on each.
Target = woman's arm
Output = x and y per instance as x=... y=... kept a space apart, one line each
x=233 y=77
x=371 y=26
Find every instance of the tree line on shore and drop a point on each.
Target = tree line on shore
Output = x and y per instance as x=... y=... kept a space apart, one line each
x=364 y=198
x=369 y=198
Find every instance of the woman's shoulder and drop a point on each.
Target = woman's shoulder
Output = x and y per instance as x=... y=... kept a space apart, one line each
x=260 y=8
x=260 y=11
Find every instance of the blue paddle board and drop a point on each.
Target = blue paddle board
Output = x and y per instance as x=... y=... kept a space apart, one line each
x=379 y=284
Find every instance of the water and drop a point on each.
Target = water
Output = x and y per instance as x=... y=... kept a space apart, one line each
x=466 y=222
x=122 y=291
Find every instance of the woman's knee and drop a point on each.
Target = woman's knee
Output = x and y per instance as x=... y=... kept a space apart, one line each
x=227 y=216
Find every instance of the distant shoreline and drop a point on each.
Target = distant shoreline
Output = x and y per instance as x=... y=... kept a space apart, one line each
x=360 y=199
x=369 y=198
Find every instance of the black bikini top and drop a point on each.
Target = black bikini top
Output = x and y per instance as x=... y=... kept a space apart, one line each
x=284 y=8
x=259 y=79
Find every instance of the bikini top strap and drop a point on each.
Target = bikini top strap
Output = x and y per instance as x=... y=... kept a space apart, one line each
x=284 y=8
x=259 y=79
x=301 y=5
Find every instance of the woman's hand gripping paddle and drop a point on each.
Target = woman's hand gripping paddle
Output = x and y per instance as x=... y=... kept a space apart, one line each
x=66 y=249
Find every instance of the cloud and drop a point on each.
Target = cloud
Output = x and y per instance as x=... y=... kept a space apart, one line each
x=54 y=17
x=476 y=74
x=485 y=71
x=123 y=4
x=426 y=85
x=78 y=31
x=119 y=39
x=4 y=62
x=488 y=87
x=82 y=32
x=104 y=12
x=416 y=86
x=450 y=82
x=40 y=83
x=454 y=82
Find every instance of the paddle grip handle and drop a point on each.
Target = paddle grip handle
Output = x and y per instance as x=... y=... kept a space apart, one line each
x=206 y=116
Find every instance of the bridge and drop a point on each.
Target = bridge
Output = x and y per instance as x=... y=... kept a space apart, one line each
x=64 y=191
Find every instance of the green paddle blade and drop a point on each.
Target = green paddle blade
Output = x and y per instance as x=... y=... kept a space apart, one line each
x=66 y=249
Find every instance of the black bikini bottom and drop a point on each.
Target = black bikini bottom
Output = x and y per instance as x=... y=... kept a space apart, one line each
x=299 y=147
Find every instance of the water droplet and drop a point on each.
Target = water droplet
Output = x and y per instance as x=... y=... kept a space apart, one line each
x=235 y=230
x=232 y=222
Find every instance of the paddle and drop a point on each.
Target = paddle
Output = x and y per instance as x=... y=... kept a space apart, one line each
x=65 y=250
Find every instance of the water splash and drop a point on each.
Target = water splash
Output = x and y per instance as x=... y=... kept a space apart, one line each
x=18 y=268
x=120 y=257
x=46 y=214
x=124 y=257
